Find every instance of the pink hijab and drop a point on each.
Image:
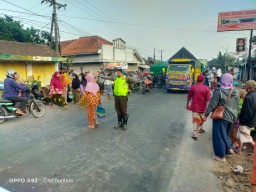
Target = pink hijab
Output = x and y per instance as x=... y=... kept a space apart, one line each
x=91 y=86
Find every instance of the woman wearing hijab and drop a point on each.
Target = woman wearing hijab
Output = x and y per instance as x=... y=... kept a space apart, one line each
x=82 y=90
x=56 y=91
x=83 y=85
x=92 y=98
x=76 y=88
x=64 y=86
x=221 y=127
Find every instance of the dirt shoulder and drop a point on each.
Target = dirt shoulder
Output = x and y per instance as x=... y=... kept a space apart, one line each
x=232 y=181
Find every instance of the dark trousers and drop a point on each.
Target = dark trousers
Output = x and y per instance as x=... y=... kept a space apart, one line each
x=23 y=101
x=220 y=137
x=121 y=105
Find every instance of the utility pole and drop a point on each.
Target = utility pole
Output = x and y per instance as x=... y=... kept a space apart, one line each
x=249 y=68
x=54 y=23
x=162 y=55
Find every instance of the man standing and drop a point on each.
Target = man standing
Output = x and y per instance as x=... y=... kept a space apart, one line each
x=206 y=78
x=120 y=92
x=214 y=81
x=247 y=120
x=247 y=116
x=200 y=96
x=11 y=90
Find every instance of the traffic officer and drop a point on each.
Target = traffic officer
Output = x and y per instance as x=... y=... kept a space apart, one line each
x=121 y=81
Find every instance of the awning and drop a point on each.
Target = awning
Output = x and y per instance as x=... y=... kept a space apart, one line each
x=118 y=65
x=144 y=66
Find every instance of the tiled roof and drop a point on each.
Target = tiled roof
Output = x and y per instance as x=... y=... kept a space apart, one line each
x=64 y=44
x=26 y=49
x=89 y=44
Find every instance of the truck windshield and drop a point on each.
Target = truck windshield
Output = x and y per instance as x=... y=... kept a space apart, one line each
x=183 y=68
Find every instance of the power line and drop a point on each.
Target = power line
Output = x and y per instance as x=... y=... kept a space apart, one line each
x=20 y=7
x=54 y=23
x=43 y=16
x=124 y=23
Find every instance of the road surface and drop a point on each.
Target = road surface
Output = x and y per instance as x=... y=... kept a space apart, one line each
x=156 y=154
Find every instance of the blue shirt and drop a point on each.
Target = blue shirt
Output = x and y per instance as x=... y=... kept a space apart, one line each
x=11 y=88
x=206 y=81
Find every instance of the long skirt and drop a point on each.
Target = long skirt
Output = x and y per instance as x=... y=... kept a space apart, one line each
x=57 y=99
x=220 y=137
x=91 y=114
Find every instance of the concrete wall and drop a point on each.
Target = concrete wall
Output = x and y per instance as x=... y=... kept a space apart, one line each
x=120 y=55
x=78 y=68
x=130 y=56
x=20 y=67
x=107 y=53
x=86 y=58
x=41 y=71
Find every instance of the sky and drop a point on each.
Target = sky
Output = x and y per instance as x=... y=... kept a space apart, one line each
x=166 y=25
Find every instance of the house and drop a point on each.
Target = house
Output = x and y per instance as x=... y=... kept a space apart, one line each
x=28 y=59
x=93 y=53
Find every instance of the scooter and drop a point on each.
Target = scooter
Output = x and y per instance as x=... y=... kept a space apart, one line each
x=1 y=89
x=8 y=108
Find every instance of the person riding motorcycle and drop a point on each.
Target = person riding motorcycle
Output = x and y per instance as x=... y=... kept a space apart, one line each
x=148 y=80
x=11 y=91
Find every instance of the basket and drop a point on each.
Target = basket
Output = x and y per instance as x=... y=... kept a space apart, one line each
x=100 y=112
x=70 y=95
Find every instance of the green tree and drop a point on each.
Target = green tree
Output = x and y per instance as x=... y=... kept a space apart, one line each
x=12 y=30
x=223 y=61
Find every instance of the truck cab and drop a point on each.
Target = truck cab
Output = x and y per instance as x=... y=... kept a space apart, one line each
x=181 y=74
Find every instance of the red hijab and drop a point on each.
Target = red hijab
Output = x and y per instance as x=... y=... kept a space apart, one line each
x=55 y=81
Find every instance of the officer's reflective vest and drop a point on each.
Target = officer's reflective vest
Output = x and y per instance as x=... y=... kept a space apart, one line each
x=121 y=86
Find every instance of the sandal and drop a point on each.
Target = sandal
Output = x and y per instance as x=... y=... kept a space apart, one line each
x=237 y=152
x=202 y=131
x=231 y=151
x=221 y=160
x=194 y=137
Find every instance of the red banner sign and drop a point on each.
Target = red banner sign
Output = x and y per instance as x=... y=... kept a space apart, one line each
x=237 y=20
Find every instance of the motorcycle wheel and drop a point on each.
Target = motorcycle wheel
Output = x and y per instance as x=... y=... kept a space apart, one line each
x=37 y=113
x=143 y=90
x=3 y=112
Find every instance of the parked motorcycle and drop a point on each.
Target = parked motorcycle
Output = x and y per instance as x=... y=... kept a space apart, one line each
x=8 y=108
x=35 y=91
x=39 y=93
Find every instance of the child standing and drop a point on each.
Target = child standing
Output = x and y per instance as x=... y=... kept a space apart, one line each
x=109 y=86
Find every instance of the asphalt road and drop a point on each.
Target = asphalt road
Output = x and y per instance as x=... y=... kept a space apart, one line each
x=59 y=153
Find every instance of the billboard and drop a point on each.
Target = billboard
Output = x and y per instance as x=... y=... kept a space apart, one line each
x=237 y=20
x=240 y=45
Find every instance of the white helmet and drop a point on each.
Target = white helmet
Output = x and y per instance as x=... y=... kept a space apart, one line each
x=10 y=73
